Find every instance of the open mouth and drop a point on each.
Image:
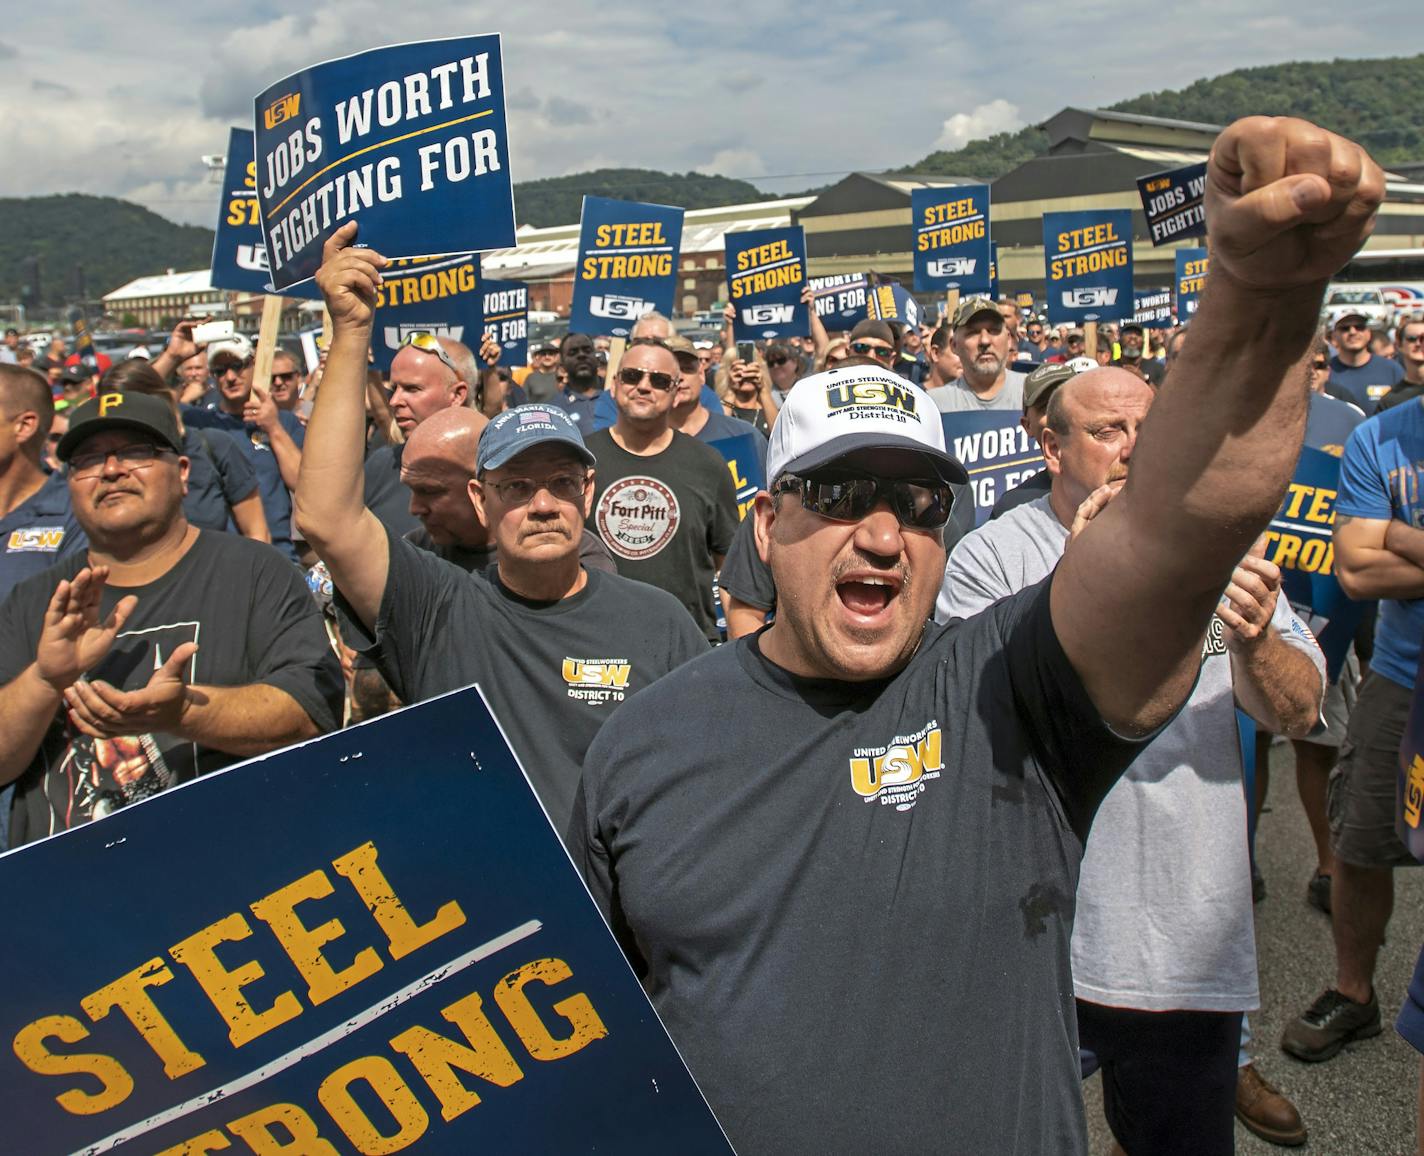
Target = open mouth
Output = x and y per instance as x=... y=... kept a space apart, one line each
x=868 y=595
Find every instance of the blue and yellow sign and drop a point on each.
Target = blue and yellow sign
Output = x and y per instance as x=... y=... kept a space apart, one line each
x=1299 y=542
x=1192 y=266
x=745 y=456
x=766 y=273
x=506 y=312
x=1087 y=260
x=994 y=270
x=1152 y=308
x=891 y=301
x=951 y=247
x=994 y=450
x=441 y=295
x=319 y=951
x=410 y=140
x=1175 y=203
x=839 y=300
x=627 y=265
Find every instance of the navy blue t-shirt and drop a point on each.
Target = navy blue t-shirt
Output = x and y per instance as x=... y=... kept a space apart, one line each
x=38 y=533
x=219 y=476
x=1366 y=383
x=276 y=501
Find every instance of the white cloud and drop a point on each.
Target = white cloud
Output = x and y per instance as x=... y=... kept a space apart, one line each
x=743 y=163
x=984 y=121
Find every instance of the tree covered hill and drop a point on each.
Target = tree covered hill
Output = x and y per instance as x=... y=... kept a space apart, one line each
x=1367 y=100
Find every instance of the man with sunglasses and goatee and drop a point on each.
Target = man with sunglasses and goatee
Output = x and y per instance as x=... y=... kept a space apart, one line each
x=1356 y=374
x=556 y=647
x=979 y=334
x=663 y=502
x=850 y=841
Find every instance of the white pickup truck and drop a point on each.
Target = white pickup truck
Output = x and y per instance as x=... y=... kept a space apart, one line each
x=1366 y=300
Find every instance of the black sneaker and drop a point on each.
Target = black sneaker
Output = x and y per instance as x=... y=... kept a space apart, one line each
x=1258 y=884
x=1329 y=1024
x=1317 y=892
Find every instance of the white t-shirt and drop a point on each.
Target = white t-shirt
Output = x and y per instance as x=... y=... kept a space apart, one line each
x=1164 y=918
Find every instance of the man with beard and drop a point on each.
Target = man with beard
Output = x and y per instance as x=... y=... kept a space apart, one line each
x=1131 y=356
x=981 y=338
x=1357 y=375
x=538 y=630
x=107 y=697
x=1164 y=954
x=582 y=384
x=880 y=855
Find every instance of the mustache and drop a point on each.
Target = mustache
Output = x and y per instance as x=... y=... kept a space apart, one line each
x=857 y=561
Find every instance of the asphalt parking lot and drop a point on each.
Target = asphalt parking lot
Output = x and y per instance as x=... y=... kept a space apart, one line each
x=1362 y=1102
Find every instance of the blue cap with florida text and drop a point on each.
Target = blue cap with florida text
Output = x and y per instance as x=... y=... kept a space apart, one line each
x=523 y=427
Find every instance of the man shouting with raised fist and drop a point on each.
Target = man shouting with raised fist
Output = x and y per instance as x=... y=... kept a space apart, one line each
x=853 y=907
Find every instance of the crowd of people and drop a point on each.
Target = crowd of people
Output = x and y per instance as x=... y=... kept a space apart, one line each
x=1040 y=865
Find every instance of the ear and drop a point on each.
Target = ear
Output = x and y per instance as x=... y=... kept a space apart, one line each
x=588 y=494
x=27 y=427
x=477 y=499
x=459 y=394
x=764 y=511
x=1052 y=451
x=183 y=465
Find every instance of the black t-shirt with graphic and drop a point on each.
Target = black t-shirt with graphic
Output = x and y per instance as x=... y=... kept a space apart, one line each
x=552 y=672
x=248 y=610
x=853 y=908
x=664 y=517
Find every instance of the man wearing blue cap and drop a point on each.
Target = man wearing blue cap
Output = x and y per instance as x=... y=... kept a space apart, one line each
x=556 y=647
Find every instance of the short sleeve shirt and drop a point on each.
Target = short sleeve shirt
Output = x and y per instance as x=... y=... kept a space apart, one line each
x=956 y=397
x=219 y=476
x=37 y=533
x=1380 y=476
x=1366 y=383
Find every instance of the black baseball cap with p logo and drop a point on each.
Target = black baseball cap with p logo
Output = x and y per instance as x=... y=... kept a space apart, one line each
x=136 y=411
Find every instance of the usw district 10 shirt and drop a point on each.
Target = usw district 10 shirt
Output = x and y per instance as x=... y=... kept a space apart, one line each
x=664 y=516
x=553 y=672
x=851 y=903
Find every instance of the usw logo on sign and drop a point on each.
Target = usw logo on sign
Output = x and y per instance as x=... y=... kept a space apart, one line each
x=768 y=314
x=1089 y=298
x=952 y=267
x=619 y=308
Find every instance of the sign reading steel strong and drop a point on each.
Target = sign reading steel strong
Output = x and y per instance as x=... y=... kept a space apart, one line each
x=373 y=942
x=1175 y=203
x=766 y=272
x=627 y=265
x=1088 y=265
x=440 y=295
x=951 y=238
x=1192 y=266
x=409 y=140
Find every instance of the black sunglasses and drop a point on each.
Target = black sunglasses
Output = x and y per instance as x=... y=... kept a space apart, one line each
x=774 y=361
x=879 y=352
x=918 y=505
x=628 y=375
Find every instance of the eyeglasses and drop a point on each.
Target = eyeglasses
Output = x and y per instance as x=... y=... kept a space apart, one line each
x=1320 y=364
x=918 y=505
x=880 y=352
x=429 y=343
x=521 y=491
x=291 y=375
x=138 y=456
x=631 y=376
x=773 y=362
x=1351 y=327
x=1412 y=339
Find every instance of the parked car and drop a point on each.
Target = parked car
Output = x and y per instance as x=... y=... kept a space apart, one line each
x=1363 y=299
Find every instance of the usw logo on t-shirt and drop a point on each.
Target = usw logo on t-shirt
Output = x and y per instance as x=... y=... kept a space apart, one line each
x=896 y=774
x=35 y=540
x=597 y=680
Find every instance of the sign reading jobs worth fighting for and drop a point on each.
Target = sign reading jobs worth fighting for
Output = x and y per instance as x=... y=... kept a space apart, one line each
x=506 y=313
x=1175 y=203
x=627 y=265
x=324 y=952
x=441 y=295
x=409 y=140
x=1088 y=265
x=995 y=452
x=951 y=238
x=766 y=273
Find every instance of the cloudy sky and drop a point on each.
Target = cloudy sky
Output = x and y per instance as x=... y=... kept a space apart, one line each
x=125 y=99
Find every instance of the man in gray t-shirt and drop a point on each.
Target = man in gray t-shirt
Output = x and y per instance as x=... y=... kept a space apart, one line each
x=1164 y=953
x=984 y=345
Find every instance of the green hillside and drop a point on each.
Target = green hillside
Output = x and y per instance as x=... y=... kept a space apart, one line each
x=1367 y=100
x=558 y=200
x=113 y=241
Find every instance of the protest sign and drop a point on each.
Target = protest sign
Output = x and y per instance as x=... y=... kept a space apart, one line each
x=1410 y=796
x=1192 y=265
x=994 y=270
x=506 y=313
x=440 y=295
x=627 y=265
x=323 y=950
x=995 y=451
x=1088 y=265
x=409 y=140
x=840 y=300
x=83 y=340
x=766 y=273
x=1299 y=542
x=891 y=301
x=1152 y=308
x=747 y=466
x=1175 y=203
x=951 y=238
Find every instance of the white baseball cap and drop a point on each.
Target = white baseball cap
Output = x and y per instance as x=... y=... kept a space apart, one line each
x=841 y=411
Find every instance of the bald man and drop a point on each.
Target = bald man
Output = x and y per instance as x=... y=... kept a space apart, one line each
x=1164 y=950
x=437 y=467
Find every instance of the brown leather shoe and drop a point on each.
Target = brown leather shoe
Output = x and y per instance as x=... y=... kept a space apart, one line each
x=1265 y=1111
